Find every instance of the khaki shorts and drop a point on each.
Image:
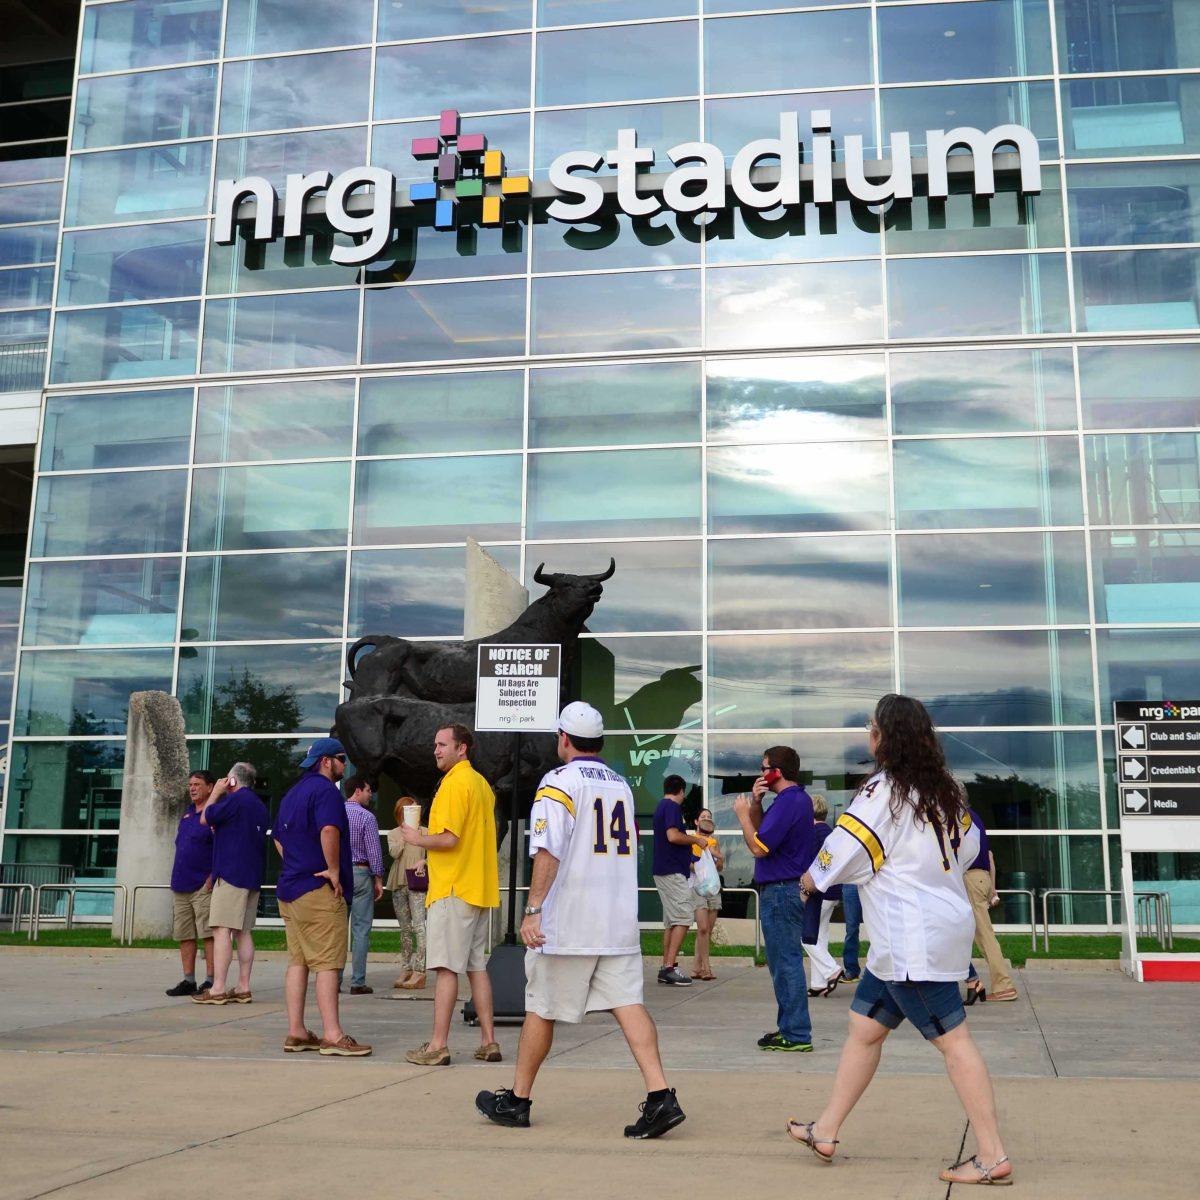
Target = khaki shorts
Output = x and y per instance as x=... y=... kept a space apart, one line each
x=232 y=907
x=563 y=987
x=191 y=915
x=456 y=935
x=678 y=900
x=317 y=930
x=712 y=903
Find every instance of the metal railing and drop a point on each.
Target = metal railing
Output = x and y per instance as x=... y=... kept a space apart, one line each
x=22 y=366
x=127 y=926
x=1162 y=911
x=71 y=889
x=19 y=908
x=1032 y=909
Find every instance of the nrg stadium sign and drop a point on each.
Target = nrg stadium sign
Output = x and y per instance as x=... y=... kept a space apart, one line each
x=471 y=184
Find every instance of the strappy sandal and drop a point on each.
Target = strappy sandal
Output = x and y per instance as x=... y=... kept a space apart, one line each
x=831 y=986
x=985 y=1173
x=975 y=993
x=811 y=1142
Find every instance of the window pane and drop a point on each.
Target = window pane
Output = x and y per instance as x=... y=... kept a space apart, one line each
x=809 y=487
x=149 y=33
x=1114 y=35
x=135 y=342
x=414 y=593
x=263 y=333
x=475 y=75
x=126 y=185
x=105 y=603
x=795 y=399
x=278 y=155
x=275 y=760
x=259 y=689
x=966 y=482
x=618 y=62
x=622 y=404
x=85 y=691
x=66 y=785
x=438 y=499
x=766 y=54
x=121 y=110
x=116 y=429
x=589 y=314
x=274 y=26
x=615 y=240
x=739 y=235
x=1000 y=677
x=732 y=6
x=979 y=105
x=265 y=508
x=25 y=163
x=1143 y=576
x=93 y=858
x=580 y=12
x=964 y=41
x=971 y=297
x=797 y=680
x=799 y=583
x=27 y=244
x=124 y=513
x=34 y=202
x=812 y=305
x=1146 y=664
x=309 y=418
x=142 y=262
x=26 y=287
x=418 y=253
x=983 y=391
x=595 y=129
x=415 y=414
x=1124 y=386
x=656 y=586
x=284 y=264
x=642 y=683
x=401 y=19
x=614 y=493
x=1144 y=478
x=456 y=320
x=291 y=92
x=733 y=123
x=1125 y=204
x=1139 y=115
x=241 y=597
x=1136 y=289
x=992 y=579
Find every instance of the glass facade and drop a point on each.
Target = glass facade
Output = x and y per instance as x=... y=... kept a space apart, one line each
x=946 y=447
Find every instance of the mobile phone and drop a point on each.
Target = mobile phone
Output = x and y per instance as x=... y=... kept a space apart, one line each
x=771 y=774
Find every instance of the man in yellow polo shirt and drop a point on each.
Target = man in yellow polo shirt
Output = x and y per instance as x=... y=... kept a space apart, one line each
x=463 y=889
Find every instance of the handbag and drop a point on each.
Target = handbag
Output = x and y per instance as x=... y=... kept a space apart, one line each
x=415 y=882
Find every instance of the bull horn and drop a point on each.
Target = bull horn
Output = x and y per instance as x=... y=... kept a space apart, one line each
x=539 y=577
x=612 y=570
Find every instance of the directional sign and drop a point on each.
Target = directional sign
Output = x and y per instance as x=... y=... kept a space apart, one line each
x=1158 y=757
x=1133 y=737
x=1182 y=736
x=1133 y=768
x=1134 y=800
x=1171 y=800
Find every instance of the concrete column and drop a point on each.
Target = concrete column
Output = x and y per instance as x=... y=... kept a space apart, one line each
x=153 y=795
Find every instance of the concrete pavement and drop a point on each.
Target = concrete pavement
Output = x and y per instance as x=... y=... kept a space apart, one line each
x=108 y=1088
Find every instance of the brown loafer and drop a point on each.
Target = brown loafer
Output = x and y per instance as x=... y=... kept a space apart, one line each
x=208 y=996
x=489 y=1052
x=424 y=1056
x=345 y=1047
x=295 y=1045
x=239 y=997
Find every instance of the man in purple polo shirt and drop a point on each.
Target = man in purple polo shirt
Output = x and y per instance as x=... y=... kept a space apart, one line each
x=191 y=886
x=780 y=840
x=312 y=836
x=239 y=821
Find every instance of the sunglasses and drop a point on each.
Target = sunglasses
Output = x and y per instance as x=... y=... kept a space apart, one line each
x=340 y=757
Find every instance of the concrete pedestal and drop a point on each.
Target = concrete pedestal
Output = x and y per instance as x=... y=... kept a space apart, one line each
x=153 y=796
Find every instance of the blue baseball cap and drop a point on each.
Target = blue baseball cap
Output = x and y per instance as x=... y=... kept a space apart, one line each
x=322 y=748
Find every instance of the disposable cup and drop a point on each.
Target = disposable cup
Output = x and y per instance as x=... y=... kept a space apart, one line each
x=412 y=815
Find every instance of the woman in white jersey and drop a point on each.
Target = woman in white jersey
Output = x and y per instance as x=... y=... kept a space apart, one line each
x=907 y=840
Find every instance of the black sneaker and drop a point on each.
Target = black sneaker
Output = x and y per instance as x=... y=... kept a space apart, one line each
x=658 y=1116
x=768 y=1039
x=206 y=986
x=185 y=987
x=673 y=977
x=504 y=1107
x=783 y=1045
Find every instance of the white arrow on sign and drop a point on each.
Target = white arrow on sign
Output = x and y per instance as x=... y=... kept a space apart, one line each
x=1133 y=736
x=1135 y=801
x=1134 y=768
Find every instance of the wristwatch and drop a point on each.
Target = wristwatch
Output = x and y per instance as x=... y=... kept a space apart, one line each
x=531 y=911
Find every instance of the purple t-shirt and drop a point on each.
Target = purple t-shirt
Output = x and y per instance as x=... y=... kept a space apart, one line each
x=670 y=859
x=240 y=821
x=983 y=860
x=786 y=832
x=193 y=853
x=306 y=809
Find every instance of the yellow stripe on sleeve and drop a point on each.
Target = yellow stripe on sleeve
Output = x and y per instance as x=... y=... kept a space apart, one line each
x=552 y=793
x=865 y=836
x=761 y=844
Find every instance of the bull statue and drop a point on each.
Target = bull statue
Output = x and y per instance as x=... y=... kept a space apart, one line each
x=402 y=692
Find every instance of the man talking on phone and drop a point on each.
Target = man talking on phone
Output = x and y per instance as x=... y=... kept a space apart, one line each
x=779 y=840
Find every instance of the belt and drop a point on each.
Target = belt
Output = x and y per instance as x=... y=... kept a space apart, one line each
x=777 y=882
x=362 y=864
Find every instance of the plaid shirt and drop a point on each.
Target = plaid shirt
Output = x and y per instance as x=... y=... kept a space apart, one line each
x=364 y=837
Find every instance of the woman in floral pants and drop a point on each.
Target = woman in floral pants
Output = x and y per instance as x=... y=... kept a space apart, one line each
x=408 y=867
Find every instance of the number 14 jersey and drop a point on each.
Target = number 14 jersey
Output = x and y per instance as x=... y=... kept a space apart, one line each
x=583 y=815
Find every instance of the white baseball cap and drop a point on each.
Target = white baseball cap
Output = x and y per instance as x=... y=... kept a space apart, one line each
x=582 y=720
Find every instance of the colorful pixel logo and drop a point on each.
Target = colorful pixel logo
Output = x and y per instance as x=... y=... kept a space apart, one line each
x=1170 y=710
x=466 y=170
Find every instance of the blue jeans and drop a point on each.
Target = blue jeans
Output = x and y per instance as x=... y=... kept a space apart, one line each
x=362 y=910
x=852 y=911
x=782 y=924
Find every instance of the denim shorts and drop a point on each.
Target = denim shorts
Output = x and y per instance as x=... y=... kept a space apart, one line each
x=934 y=1008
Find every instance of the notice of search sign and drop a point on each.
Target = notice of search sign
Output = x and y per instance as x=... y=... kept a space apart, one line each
x=517 y=688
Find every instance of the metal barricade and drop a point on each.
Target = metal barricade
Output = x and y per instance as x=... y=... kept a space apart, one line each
x=1161 y=911
x=71 y=889
x=127 y=927
x=1032 y=909
x=19 y=910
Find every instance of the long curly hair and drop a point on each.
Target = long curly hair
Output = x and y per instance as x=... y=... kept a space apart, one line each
x=912 y=758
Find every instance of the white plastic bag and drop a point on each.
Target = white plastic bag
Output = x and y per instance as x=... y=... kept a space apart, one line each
x=706 y=881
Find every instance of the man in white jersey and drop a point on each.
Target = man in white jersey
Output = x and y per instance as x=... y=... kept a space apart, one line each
x=581 y=923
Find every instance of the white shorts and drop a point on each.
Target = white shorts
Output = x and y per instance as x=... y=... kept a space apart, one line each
x=563 y=987
x=456 y=935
